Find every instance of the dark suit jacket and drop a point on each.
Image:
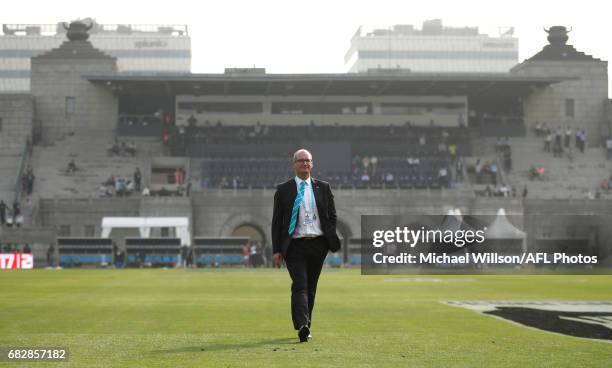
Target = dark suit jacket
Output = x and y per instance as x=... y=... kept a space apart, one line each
x=283 y=205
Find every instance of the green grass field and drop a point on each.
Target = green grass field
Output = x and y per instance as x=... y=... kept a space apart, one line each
x=241 y=318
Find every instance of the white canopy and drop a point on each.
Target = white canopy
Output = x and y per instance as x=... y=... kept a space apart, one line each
x=501 y=228
x=144 y=225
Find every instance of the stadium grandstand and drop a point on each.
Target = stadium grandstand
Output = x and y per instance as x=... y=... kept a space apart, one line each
x=209 y=149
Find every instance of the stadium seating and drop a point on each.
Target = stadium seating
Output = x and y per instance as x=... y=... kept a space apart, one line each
x=235 y=157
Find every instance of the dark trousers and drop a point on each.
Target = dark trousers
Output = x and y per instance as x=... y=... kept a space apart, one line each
x=304 y=261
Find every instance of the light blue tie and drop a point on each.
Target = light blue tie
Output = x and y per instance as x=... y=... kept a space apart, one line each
x=296 y=207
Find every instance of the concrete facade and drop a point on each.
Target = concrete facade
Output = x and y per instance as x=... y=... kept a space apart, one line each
x=16 y=114
x=65 y=101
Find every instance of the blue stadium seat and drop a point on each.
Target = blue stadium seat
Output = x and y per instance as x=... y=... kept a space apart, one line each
x=166 y=259
x=65 y=261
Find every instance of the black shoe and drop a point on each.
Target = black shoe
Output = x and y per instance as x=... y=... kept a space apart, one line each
x=304 y=333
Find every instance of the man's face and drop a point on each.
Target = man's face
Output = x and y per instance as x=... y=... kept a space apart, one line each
x=302 y=164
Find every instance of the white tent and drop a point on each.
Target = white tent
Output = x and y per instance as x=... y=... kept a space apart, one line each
x=501 y=228
x=144 y=225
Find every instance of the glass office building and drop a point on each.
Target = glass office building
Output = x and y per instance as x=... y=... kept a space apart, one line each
x=432 y=49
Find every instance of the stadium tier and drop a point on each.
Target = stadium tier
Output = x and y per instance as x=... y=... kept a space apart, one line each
x=211 y=148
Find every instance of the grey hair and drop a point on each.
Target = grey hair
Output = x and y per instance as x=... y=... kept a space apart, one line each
x=301 y=149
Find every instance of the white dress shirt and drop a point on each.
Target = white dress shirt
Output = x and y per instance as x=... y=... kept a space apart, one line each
x=313 y=228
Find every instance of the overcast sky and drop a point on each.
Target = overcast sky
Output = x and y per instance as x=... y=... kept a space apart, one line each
x=313 y=36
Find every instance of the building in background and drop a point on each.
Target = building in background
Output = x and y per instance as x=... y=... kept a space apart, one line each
x=137 y=47
x=432 y=49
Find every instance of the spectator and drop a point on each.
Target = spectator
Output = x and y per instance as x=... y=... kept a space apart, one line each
x=253 y=254
x=374 y=163
x=443 y=177
x=459 y=170
x=178 y=176
x=525 y=191
x=536 y=172
x=27 y=249
x=545 y=129
x=72 y=167
x=557 y=147
x=605 y=185
x=51 y=256
x=581 y=140
x=130 y=148
x=504 y=191
x=547 y=141
x=568 y=136
x=16 y=210
x=2 y=213
x=365 y=162
x=245 y=255
x=498 y=144
x=104 y=191
x=477 y=170
x=146 y=192
x=120 y=187
x=113 y=149
x=188 y=188
x=137 y=179
x=110 y=181
x=493 y=171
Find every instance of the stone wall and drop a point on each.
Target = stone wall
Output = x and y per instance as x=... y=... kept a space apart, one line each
x=53 y=81
x=587 y=86
x=17 y=113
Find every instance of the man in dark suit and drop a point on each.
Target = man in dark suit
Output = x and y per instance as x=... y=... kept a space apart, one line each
x=303 y=231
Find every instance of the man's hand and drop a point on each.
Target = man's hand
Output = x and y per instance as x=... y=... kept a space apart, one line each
x=278 y=259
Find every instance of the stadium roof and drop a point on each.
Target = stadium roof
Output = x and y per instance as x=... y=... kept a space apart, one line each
x=355 y=84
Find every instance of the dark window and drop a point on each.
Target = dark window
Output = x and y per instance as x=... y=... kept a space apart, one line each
x=569 y=107
x=165 y=232
x=0 y=124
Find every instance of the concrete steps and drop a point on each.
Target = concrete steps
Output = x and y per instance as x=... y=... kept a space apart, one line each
x=563 y=178
x=89 y=151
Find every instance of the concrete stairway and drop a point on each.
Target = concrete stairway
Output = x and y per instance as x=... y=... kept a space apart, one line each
x=88 y=148
x=563 y=178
